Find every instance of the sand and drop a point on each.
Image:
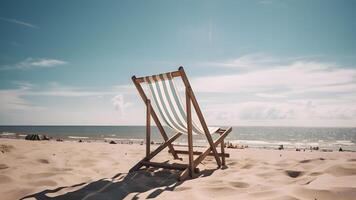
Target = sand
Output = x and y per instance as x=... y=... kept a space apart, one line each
x=97 y=170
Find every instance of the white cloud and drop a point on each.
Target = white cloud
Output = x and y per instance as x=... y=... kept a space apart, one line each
x=31 y=63
x=55 y=89
x=285 y=113
x=296 y=77
x=289 y=93
x=57 y=104
x=120 y=104
x=12 y=100
x=19 y=22
x=44 y=63
x=264 y=90
x=246 y=61
x=266 y=95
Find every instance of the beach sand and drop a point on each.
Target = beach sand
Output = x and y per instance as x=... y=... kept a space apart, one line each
x=98 y=170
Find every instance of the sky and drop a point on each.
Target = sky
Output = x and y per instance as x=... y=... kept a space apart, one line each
x=250 y=63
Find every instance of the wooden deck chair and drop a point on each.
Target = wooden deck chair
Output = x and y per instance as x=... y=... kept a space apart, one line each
x=166 y=106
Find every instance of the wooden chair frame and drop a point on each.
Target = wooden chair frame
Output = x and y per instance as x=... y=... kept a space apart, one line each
x=191 y=168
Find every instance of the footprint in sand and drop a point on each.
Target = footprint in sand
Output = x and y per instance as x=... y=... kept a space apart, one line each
x=4 y=148
x=238 y=184
x=231 y=164
x=311 y=160
x=293 y=173
x=182 y=189
x=5 y=179
x=3 y=166
x=87 y=162
x=44 y=161
x=316 y=173
x=342 y=170
x=306 y=180
x=247 y=166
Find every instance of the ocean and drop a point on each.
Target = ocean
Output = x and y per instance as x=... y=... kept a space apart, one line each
x=251 y=136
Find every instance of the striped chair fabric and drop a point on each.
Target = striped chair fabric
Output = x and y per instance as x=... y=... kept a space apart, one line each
x=168 y=104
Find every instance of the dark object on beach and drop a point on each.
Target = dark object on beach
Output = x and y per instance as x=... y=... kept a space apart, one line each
x=32 y=137
x=341 y=149
x=297 y=149
x=112 y=142
x=280 y=147
x=59 y=140
x=80 y=141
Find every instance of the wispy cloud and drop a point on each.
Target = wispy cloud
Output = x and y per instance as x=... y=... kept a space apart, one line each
x=265 y=90
x=12 y=100
x=309 y=112
x=31 y=63
x=15 y=21
x=266 y=95
x=55 y=89
x=245 y=61
x=69 y=104
x=281 y=79
x=120 y=104
x=255 y=61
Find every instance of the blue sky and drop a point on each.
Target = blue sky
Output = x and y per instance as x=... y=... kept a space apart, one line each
x=260 y=63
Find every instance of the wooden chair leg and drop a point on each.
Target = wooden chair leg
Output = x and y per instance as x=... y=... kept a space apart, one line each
x=194 y=101
x=222 y=152
x=184 y=175
x=148 y=127
x=190 y=134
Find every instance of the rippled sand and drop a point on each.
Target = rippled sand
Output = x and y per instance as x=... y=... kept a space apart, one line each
x=72 y=170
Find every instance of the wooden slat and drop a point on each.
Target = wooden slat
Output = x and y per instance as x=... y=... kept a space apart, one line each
x=139 y=80
x=173 y=74
x=176 y=74
x=220 y=130
x=226 y=155
x=216 y=142
x=155 y=152
x=154 y=116
x=201 y=157
x=200 y=115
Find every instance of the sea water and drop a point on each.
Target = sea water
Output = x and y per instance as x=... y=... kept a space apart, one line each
x=251 y=136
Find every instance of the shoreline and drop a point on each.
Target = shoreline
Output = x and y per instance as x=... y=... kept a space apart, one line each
x=73 y=170
x=233 y=144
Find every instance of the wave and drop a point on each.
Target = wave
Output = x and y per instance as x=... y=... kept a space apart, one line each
x=7 y=133
x=78 y=137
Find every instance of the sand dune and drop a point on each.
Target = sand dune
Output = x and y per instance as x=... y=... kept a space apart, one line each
x=71 y=170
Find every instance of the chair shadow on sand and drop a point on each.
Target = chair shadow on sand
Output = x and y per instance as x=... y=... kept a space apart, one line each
x=120 y=186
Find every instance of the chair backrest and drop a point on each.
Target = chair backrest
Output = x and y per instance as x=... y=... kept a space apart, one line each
x=167 y=103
